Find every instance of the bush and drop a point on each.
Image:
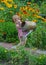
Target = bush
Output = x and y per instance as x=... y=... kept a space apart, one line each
x=4 y=54
x=43 y=8
x=8 y=32
x=38 y=37
x=21 y=57
x=41 y=60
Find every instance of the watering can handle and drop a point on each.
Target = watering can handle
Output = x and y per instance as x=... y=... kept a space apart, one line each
x=28 y=33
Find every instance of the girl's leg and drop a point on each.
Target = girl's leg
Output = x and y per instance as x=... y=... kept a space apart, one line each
x=22 y=41
x=25 y=40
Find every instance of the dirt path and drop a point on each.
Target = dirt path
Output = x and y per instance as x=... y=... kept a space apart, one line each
x=9 y=46
x=6 y=45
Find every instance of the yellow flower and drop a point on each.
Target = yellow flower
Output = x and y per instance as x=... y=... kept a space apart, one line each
x=34 y=48
x=2 y=20
x=30 y=9
x=28 y=3
x=26 y=8
x=15 y=6
x=35 y=20
x=44 y=19
x=18 y=14
x=11 y=12
x=6 y=1
x=8 y=5
x=21 y=9
x=10 y=0
x=3 y=0
x=22 y=15
x=1 y=8
x=37 y=10
x=33 y=10
x=38 y=16
x=34 y=15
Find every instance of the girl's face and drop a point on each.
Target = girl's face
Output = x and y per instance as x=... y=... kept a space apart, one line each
x=18 y=21
x=16 y=18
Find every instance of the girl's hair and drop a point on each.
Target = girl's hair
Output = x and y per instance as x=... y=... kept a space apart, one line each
x=23 y=23
x=15 y=17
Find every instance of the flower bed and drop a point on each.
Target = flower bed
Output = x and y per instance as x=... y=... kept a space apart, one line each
x=21 y=57
x=26 y=10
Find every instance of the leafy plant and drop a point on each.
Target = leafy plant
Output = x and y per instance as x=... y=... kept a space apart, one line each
x=8 y=32
x=4 y=55
x=38 y=37
x=21 y=57
x=43 y=8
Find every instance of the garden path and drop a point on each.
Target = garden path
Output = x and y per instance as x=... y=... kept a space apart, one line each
x=9 y=46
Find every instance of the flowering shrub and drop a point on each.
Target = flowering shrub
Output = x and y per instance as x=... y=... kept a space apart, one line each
x=21 y=57
x=8 y=32
x=26 y=10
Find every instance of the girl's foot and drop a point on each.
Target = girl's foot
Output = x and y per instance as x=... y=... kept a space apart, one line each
x=14 y=47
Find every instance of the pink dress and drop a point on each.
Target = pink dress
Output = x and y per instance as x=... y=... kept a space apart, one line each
x=20 y=33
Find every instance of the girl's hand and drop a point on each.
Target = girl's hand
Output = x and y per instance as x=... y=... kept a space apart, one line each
x=17 y=26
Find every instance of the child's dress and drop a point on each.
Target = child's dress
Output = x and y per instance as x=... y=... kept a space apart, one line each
x=20 y=33
x=23 y=34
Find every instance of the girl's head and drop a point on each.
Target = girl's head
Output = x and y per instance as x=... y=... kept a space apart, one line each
x=15 y=18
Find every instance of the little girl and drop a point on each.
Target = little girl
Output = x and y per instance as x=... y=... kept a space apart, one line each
x=24 y=29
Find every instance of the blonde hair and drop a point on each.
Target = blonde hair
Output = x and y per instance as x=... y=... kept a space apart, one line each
x=15 y=17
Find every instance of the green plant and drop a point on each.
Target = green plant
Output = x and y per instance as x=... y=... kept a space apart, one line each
x=4 y=55
x=38 y=37
x=41 y=60
x=8 y=32
x=21 y=57
x=43 y=8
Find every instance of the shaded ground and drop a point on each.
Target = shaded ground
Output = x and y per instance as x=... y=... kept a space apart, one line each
x=9 y=46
